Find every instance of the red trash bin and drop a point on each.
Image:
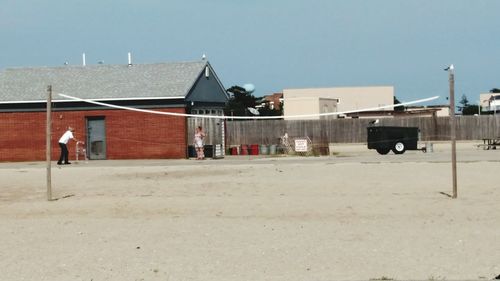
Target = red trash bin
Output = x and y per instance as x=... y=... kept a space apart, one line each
x=244 y=149
x=234 y=151
x=254 y=149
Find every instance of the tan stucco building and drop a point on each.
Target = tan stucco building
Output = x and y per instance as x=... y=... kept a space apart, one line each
x=323 y=100
x=310 y=106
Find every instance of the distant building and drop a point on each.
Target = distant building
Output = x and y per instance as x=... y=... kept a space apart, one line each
x=310 y=106
x=411 y=111
x=490 y=102
x=273 y=101
x=342 y=99
x=183 y=87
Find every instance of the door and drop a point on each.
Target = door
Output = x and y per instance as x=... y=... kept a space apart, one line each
x=96 y=138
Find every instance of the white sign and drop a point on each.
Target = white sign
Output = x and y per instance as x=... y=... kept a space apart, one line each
x=301 y=145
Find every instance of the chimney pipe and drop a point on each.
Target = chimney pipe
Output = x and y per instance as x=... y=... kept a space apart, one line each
x=83 y=59
x=129 y=59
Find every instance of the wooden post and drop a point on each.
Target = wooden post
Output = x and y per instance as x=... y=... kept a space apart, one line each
x=48 y=149
x=453 y=132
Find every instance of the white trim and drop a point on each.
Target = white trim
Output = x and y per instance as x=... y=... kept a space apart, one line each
x=108 y=99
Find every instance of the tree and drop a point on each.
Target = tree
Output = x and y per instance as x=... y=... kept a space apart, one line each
x=267 y=111
x=239 y=102
x=464 y=101
x=471 y=109
x=495 y=90
x=467 y=108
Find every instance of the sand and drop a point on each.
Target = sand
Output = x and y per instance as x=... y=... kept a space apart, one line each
x=355 y=215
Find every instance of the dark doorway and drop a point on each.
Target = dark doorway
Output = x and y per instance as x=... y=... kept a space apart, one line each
x=96 y=138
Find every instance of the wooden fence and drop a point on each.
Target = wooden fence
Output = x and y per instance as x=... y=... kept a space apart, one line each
x=354 y=130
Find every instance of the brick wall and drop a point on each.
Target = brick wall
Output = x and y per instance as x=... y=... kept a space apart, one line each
x=129 y=134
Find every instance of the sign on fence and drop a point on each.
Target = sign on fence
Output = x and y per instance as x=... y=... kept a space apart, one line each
x=300 y=145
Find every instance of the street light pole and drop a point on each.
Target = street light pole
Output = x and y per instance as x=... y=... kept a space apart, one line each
x=451 y=72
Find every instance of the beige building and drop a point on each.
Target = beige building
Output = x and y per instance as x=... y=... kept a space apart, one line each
x=325 y=100
x=442 y=110
x=490 y=101
x=311 y=106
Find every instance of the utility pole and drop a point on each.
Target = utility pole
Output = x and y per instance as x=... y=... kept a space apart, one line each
x=451 y=72
x=48 y=149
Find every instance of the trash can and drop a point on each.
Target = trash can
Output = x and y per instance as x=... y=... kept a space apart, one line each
x=272 y=149
x=234 y=150
x=254 y=149
x=429 y=147
x=191 y=151
x=264 y=149
x=208 y=150
x=244 y=149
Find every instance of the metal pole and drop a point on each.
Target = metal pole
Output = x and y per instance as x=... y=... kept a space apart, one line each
x=48 y=141
x=453 y=132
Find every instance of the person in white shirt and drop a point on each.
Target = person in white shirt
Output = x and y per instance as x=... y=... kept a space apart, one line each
x=63 y=141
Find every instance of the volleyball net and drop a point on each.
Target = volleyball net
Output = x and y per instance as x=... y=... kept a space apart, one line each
x=251 y=135
x=258 y=135
x=239 y=135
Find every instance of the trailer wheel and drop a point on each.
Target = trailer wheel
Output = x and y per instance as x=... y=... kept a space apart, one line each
x=383 y=151
x=399 y=147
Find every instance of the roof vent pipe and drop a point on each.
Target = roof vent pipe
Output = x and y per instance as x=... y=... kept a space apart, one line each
x=129 y=59
x=83 y=59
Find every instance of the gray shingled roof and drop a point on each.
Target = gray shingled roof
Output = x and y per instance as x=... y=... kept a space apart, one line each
x=100 y=81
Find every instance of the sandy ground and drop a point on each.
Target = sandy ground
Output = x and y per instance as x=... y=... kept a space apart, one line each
x=355 y=215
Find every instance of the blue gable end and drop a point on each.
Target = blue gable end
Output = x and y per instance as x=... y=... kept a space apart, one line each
x=207 y=90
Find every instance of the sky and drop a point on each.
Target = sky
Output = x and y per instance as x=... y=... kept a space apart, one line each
x=273 y=44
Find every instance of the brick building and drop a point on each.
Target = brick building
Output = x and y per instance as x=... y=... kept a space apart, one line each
x=185 y=87
x=274 y=101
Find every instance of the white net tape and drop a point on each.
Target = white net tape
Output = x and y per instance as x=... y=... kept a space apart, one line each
x=246 y=117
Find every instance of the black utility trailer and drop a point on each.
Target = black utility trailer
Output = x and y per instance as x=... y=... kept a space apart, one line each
x=397 y=139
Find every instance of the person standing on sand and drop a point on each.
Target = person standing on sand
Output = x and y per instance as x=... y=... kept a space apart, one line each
x=199 y=135
x=63 y=141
